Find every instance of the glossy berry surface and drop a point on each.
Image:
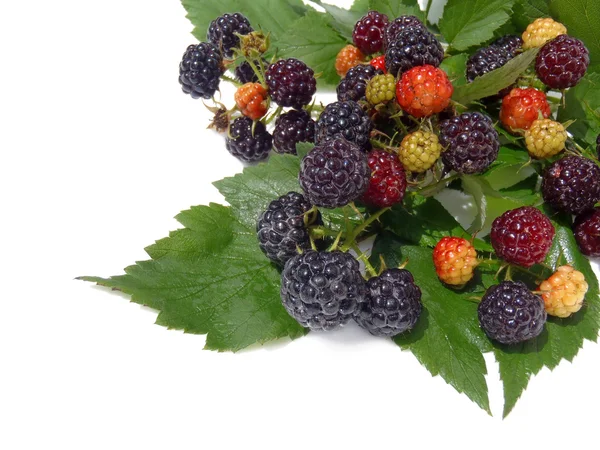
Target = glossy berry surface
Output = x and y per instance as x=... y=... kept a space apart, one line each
x=291 y=83
x=522 y=236
x=392 y=304
x=510 y=313
x=282 y=230
x=587 y=232
x=368 y=32
x=200 y=70
x=419 y=151
x=412 y=47
x=334 y=174
x=322 y=290
x=523 y=106
x=379 y=63
x=423 y=91
x=248 y=141
x=347 y=120
x=485 y=60
x=398 y=25
x=454 y=259
x=251 y=100
x=387 y=184
x=347 y=58
x=354 y=85
x=572 y=184
x=244 y=73
x=541 y=31
x=224 y=30
x=509 y=43
x=562 y=62
x=381 y=89
x=291 y=128
x=545 y=138
x=563 y=293
x=470 y=142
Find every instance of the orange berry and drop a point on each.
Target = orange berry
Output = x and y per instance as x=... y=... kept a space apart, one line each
x=454 y=259
x=424 y=90
x=251 y=99
x=347 y=58
x=564 y=291
x=523 y=106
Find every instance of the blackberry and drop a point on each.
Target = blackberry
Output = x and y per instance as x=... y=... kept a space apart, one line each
x=282 y=230
x=368 y=32
x=392 y=304
x=522 y=236
x=413 y=46
x=471 y=143
x=510 y=313
x=291 y=128
x=249 y=141
x=322 y=290
x=572 y=185
x=562 y=62
x=485 y=60
x=509 y=43
x=345 y=119
x=334 y=173
x=291 y=83
x=398 y=25
x=224 y=30
x=354 y=85
x=587 y=232
x=200 y=70
x=245 y=74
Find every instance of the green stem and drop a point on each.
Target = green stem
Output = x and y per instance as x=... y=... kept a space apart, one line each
x=231 y=80
x=362 y=257
x=433 y=189
x=427 y=10
x=362 y=227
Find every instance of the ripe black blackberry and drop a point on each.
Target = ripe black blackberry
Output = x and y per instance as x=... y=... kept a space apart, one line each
x=224 y=30
x=587 y=232
x=200 y=70
x=282 y=229
x=510 y=313
x=244 y=73
x=562 y=62
x=334 y=173
x=291 y=128
x=398 y=25
x=413 y=46
x=291 y=83
x=392 y=304
x=353 y=86
x=248 y=141
x=368 y=32
x=510 y=43
x=322 y=290
x=345 y=119
x=471 y=142
x=485 y=60
x=572 y=184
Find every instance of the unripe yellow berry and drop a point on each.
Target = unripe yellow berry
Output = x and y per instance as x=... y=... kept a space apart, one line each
x=564 y=291
x=541 y=31
x=545 y=138
x=419 y=151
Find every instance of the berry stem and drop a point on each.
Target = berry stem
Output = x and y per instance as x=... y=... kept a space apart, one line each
x=360 y=256
x=231 y=80
x=431 y=190
x=427 y=10
x=274 y=115
x=351 y=240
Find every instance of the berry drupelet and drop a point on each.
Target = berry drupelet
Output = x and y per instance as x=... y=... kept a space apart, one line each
x=562 y=62
x=291 y=83
x=248 y=141
x=291 y=128
x=369 y=32
x=412 y=47
x=347 y=120
x=387 y=184
x=587 y=232
x=224 y=30
x=398 y=25
x=353 y=86
x=200 y=70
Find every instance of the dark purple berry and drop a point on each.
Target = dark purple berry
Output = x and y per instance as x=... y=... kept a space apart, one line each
x=200 y=70
x=572 y=185
x=485 y=60
x=354 y=84
x=587 y=232
x=291 y=83
x=471 y=143
x=334 y=174
x=398 y=25
x=282 y=229
x=223 y=31
x=345 y=119
x=562 y=62
x=291 y=128
x=509 y=43
x=413 y=46
x=249 y=141
x=510 y=313
x=369 y=31
x=392 y=304
x=322 y=290
x=244 y=73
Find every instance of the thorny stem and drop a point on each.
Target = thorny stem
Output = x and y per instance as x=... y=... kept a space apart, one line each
x=274 y=115
x=362 y=257
x=433 y=189
x=362 y=227
x=231 y=80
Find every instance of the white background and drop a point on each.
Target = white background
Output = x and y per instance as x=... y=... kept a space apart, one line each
x=99 y=150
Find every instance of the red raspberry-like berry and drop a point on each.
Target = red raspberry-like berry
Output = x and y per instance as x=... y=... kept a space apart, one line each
x=347 y=58
x=522 y=236
x=562 y=62
x=379 y=63
x=251 y=99
x=587 y=232
x=388 y=180
x=291 y=83
x=454 y=259
x=522 y=107
x=424 y=90
x=368 y=32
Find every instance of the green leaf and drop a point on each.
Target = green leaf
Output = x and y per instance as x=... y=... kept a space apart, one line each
x=582 y=19
x=361 y=6
x=511 y=167
x=456 y=68
x=493 y=82
x=562 y=338
x=447 y=339
x=343 y=20
x=210 y=278
x=469 y=23
x=526 y=11
x=397 y=8
x=272 y=16
x=424 y=221
x=583 y=105
x=312 y=40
